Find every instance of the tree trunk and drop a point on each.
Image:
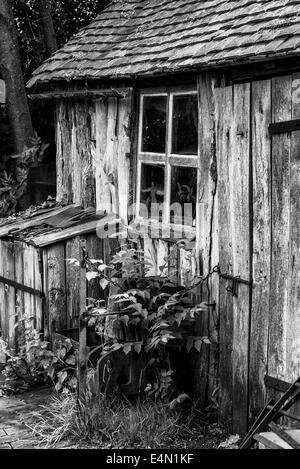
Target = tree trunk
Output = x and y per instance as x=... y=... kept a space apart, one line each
x=11 y=73
x=45 y=9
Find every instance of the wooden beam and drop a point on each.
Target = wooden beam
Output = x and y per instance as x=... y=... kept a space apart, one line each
x=23 y=288
x=277 y=384
x=101 y=224
x=67 y=94
x=284 y=127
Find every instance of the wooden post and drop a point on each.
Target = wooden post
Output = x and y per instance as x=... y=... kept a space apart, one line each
x=82 y=358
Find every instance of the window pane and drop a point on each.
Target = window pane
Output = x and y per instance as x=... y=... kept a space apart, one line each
x=152 y=191
x=154 y=124
x=183 y=196
x=185 y=125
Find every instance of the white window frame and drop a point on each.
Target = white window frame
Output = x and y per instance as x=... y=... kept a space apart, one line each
x=167 y=159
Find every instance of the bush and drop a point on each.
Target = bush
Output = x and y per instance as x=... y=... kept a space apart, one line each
x=154 y=317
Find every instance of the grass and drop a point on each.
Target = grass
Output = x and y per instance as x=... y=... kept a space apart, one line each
x=107 y=422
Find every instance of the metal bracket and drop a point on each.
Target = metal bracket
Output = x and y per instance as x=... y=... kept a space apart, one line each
x=19 y=286
x=235 y=283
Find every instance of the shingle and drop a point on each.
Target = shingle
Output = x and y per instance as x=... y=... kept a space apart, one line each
x=144 y=37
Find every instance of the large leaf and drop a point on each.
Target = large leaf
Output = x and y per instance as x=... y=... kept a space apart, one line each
x=127 y=348
x=138 y=348
x=198 y=344
x=104 y=283
x=125 y=320
x=91 y=276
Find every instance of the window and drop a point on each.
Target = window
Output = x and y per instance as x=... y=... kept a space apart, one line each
x=168 y=157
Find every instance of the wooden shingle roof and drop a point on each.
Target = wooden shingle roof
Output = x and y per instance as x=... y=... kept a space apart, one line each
x=148 y=37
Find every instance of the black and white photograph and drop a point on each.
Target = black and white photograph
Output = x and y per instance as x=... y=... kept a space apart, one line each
x=149 y=227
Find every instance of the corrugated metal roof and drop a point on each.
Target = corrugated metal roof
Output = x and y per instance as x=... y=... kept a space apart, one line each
x=147 y=37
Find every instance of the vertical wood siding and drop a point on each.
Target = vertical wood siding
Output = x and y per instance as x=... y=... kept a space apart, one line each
x=93 y=145
x=224 y=119
x=261 y=193
x=257 y=237
x=293 y=319
x=207 y=360
x=75 y=158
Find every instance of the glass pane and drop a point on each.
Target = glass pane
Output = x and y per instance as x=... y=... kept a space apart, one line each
x=183 y=196
x=185 y=125
x=154 y=124
x=152 y=191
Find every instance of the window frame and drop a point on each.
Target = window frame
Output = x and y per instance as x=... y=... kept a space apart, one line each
x=167 y=160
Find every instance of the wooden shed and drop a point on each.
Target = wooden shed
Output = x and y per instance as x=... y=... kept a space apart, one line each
x=171 y=101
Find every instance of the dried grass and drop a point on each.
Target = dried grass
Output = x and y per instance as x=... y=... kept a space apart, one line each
x=107 y=423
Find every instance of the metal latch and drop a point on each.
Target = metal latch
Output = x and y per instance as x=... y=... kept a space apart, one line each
x=236 y=280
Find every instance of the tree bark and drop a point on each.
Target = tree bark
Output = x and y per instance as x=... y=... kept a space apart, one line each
x=45 y=10
x=11 y=73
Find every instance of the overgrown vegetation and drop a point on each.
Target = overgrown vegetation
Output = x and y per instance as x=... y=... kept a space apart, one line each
x=14 y=177
x=145 y=321
x=68 y=18
x=149 y=318
x=107 y=422
x=36 y=364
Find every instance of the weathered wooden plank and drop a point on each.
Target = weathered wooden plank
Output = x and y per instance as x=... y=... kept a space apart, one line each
x=113 y=144
x=83 y=349
x=38 y=285
x=281 y=154
x=174 y=260
x=63 y=154
x=106 y=152
x=102 y=199
x=47 y=296
x=206 y=233
x=85 y=115
x=94 y=248
x=293 y=311
x=56 y=288
x=29 y=280
x=3 y=317
x=123 y=162
x=79 y=230
x=240 y=213
x=7 y=293
x=19 y=295
x=75 y=175
x=24 y=224
x=224 y=149
x=261 y=164
x=73 y=251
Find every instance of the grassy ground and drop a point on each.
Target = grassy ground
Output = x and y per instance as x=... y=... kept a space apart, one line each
x=118 y=424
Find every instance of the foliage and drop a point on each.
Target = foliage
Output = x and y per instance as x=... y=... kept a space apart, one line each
x=156 y=310
x=36 y=364
x=14 y=176
x=231 y=442
x=68 y=18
